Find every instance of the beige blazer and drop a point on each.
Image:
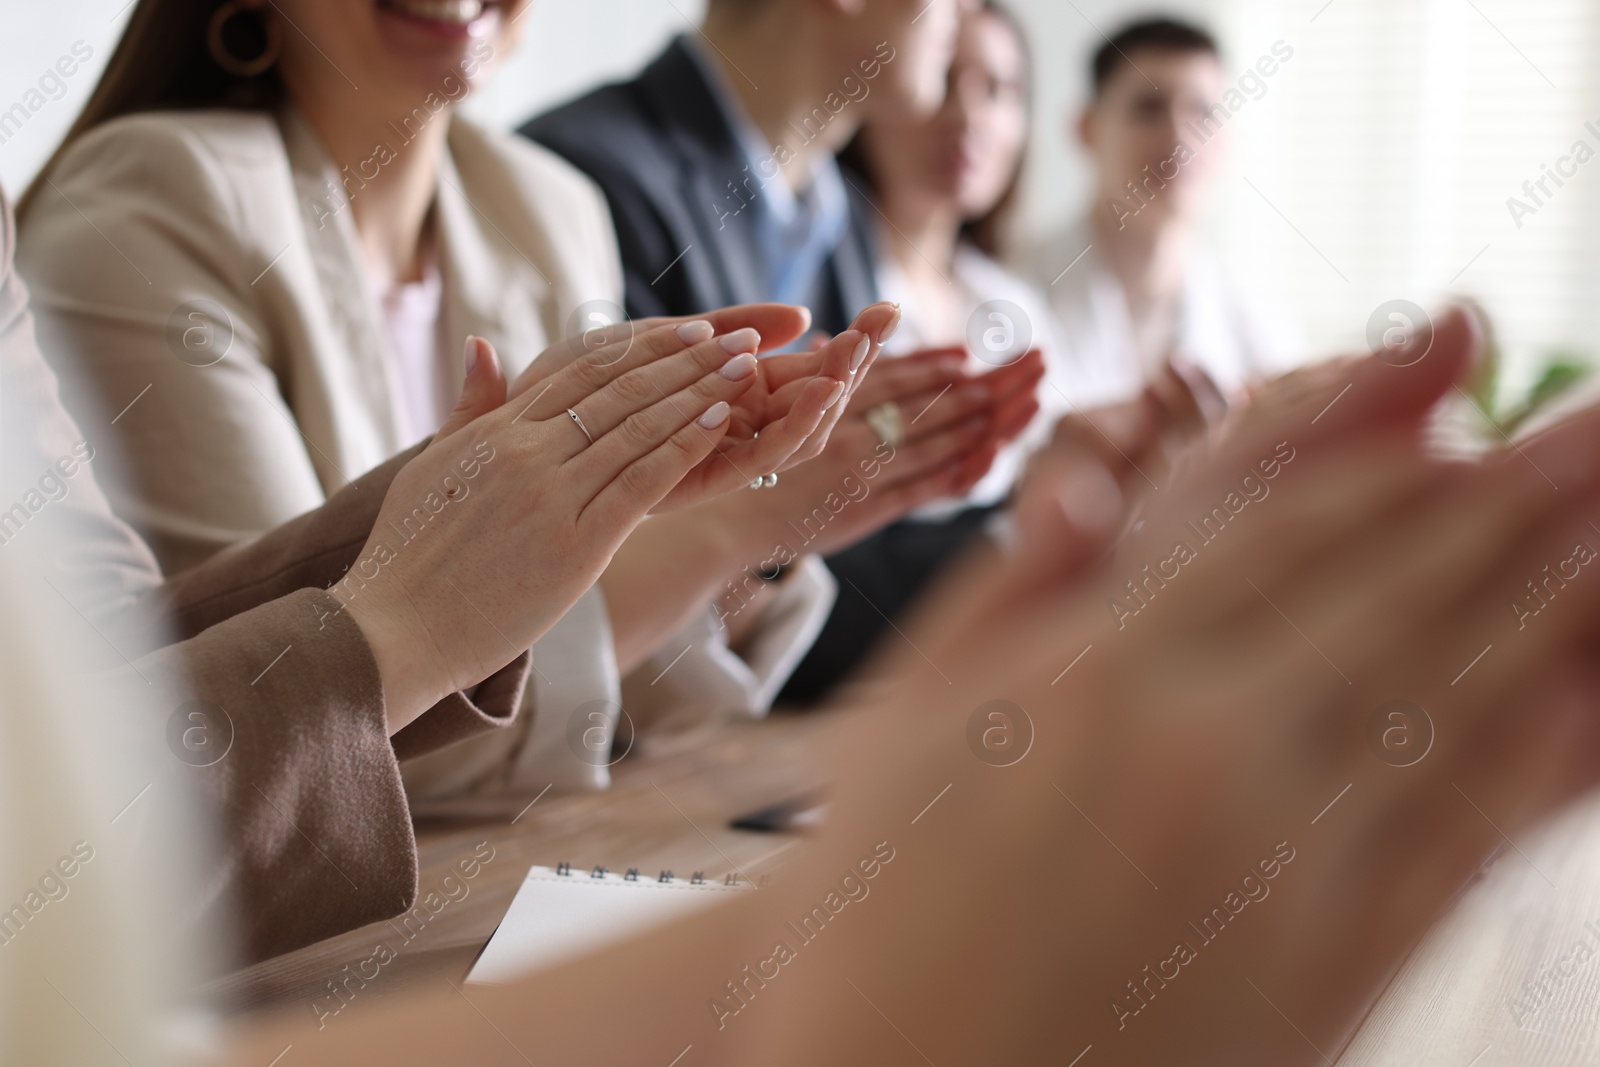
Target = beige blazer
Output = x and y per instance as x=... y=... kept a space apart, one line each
x=224 y=238
x=198 y=284
x=249 y=632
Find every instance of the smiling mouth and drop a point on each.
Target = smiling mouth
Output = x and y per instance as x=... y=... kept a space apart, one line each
x=445 y=12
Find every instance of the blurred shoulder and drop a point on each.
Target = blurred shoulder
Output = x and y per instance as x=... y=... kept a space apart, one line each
x=171 y=170
x=170 y=198
x=160 y=144
x=985 y=275
x=1251 y=311
x=1043 y=259
x=993 y=283
x=606 y=121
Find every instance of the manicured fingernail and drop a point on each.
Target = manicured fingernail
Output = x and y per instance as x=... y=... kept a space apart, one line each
x=740 y=366
x=833 y=397
x=745 y=340
x=470 y=355
x=888 y=329
x=860 y=354
x=715 y=415
x=692 y=333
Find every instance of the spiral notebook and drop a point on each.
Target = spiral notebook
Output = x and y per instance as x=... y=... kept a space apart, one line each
x=562 y=912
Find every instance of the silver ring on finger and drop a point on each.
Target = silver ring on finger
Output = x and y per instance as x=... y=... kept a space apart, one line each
x=579 y=424
x=888 y=423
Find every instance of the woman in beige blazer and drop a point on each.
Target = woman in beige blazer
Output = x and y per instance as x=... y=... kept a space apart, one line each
x=261 y=244
x=283 y=677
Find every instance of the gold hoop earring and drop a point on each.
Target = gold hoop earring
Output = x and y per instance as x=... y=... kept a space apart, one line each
x=242 y=68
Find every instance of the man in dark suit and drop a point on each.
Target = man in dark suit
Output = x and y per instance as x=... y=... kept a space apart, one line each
x=718 y=164
x=683 y=197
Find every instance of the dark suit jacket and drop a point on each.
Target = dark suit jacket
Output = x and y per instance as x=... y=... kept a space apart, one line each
x=663 y=150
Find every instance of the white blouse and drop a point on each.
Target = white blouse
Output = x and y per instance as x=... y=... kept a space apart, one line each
x=1236 y=340
x=411 y=320
x=991 y=299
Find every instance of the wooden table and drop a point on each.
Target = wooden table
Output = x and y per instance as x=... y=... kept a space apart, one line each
x=1460 y=1001
x=665 y=810
x=1463 y=999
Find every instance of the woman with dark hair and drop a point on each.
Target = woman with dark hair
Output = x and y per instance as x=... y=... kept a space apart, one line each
x=262 y=244
x=946 y=186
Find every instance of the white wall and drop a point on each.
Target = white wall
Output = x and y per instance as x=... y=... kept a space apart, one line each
x=33 y=37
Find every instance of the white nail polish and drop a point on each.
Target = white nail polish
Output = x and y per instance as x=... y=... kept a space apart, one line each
x=715 y=415
x=887 y=330
x=860 y=354
x=692 y=333
x=739 y=367
x=745 y=340
x=470 y=355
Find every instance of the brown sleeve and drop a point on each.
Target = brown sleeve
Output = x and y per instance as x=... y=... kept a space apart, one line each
x=316 y=834
x=313 y=816
x=313 y=552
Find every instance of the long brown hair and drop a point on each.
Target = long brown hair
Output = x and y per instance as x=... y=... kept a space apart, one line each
x=988 y=232
x=163 y=63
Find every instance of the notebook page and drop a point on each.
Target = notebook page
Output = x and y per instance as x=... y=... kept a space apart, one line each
x=557 y=916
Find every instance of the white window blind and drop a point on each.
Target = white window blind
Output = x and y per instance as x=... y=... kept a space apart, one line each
x=1391 y=143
